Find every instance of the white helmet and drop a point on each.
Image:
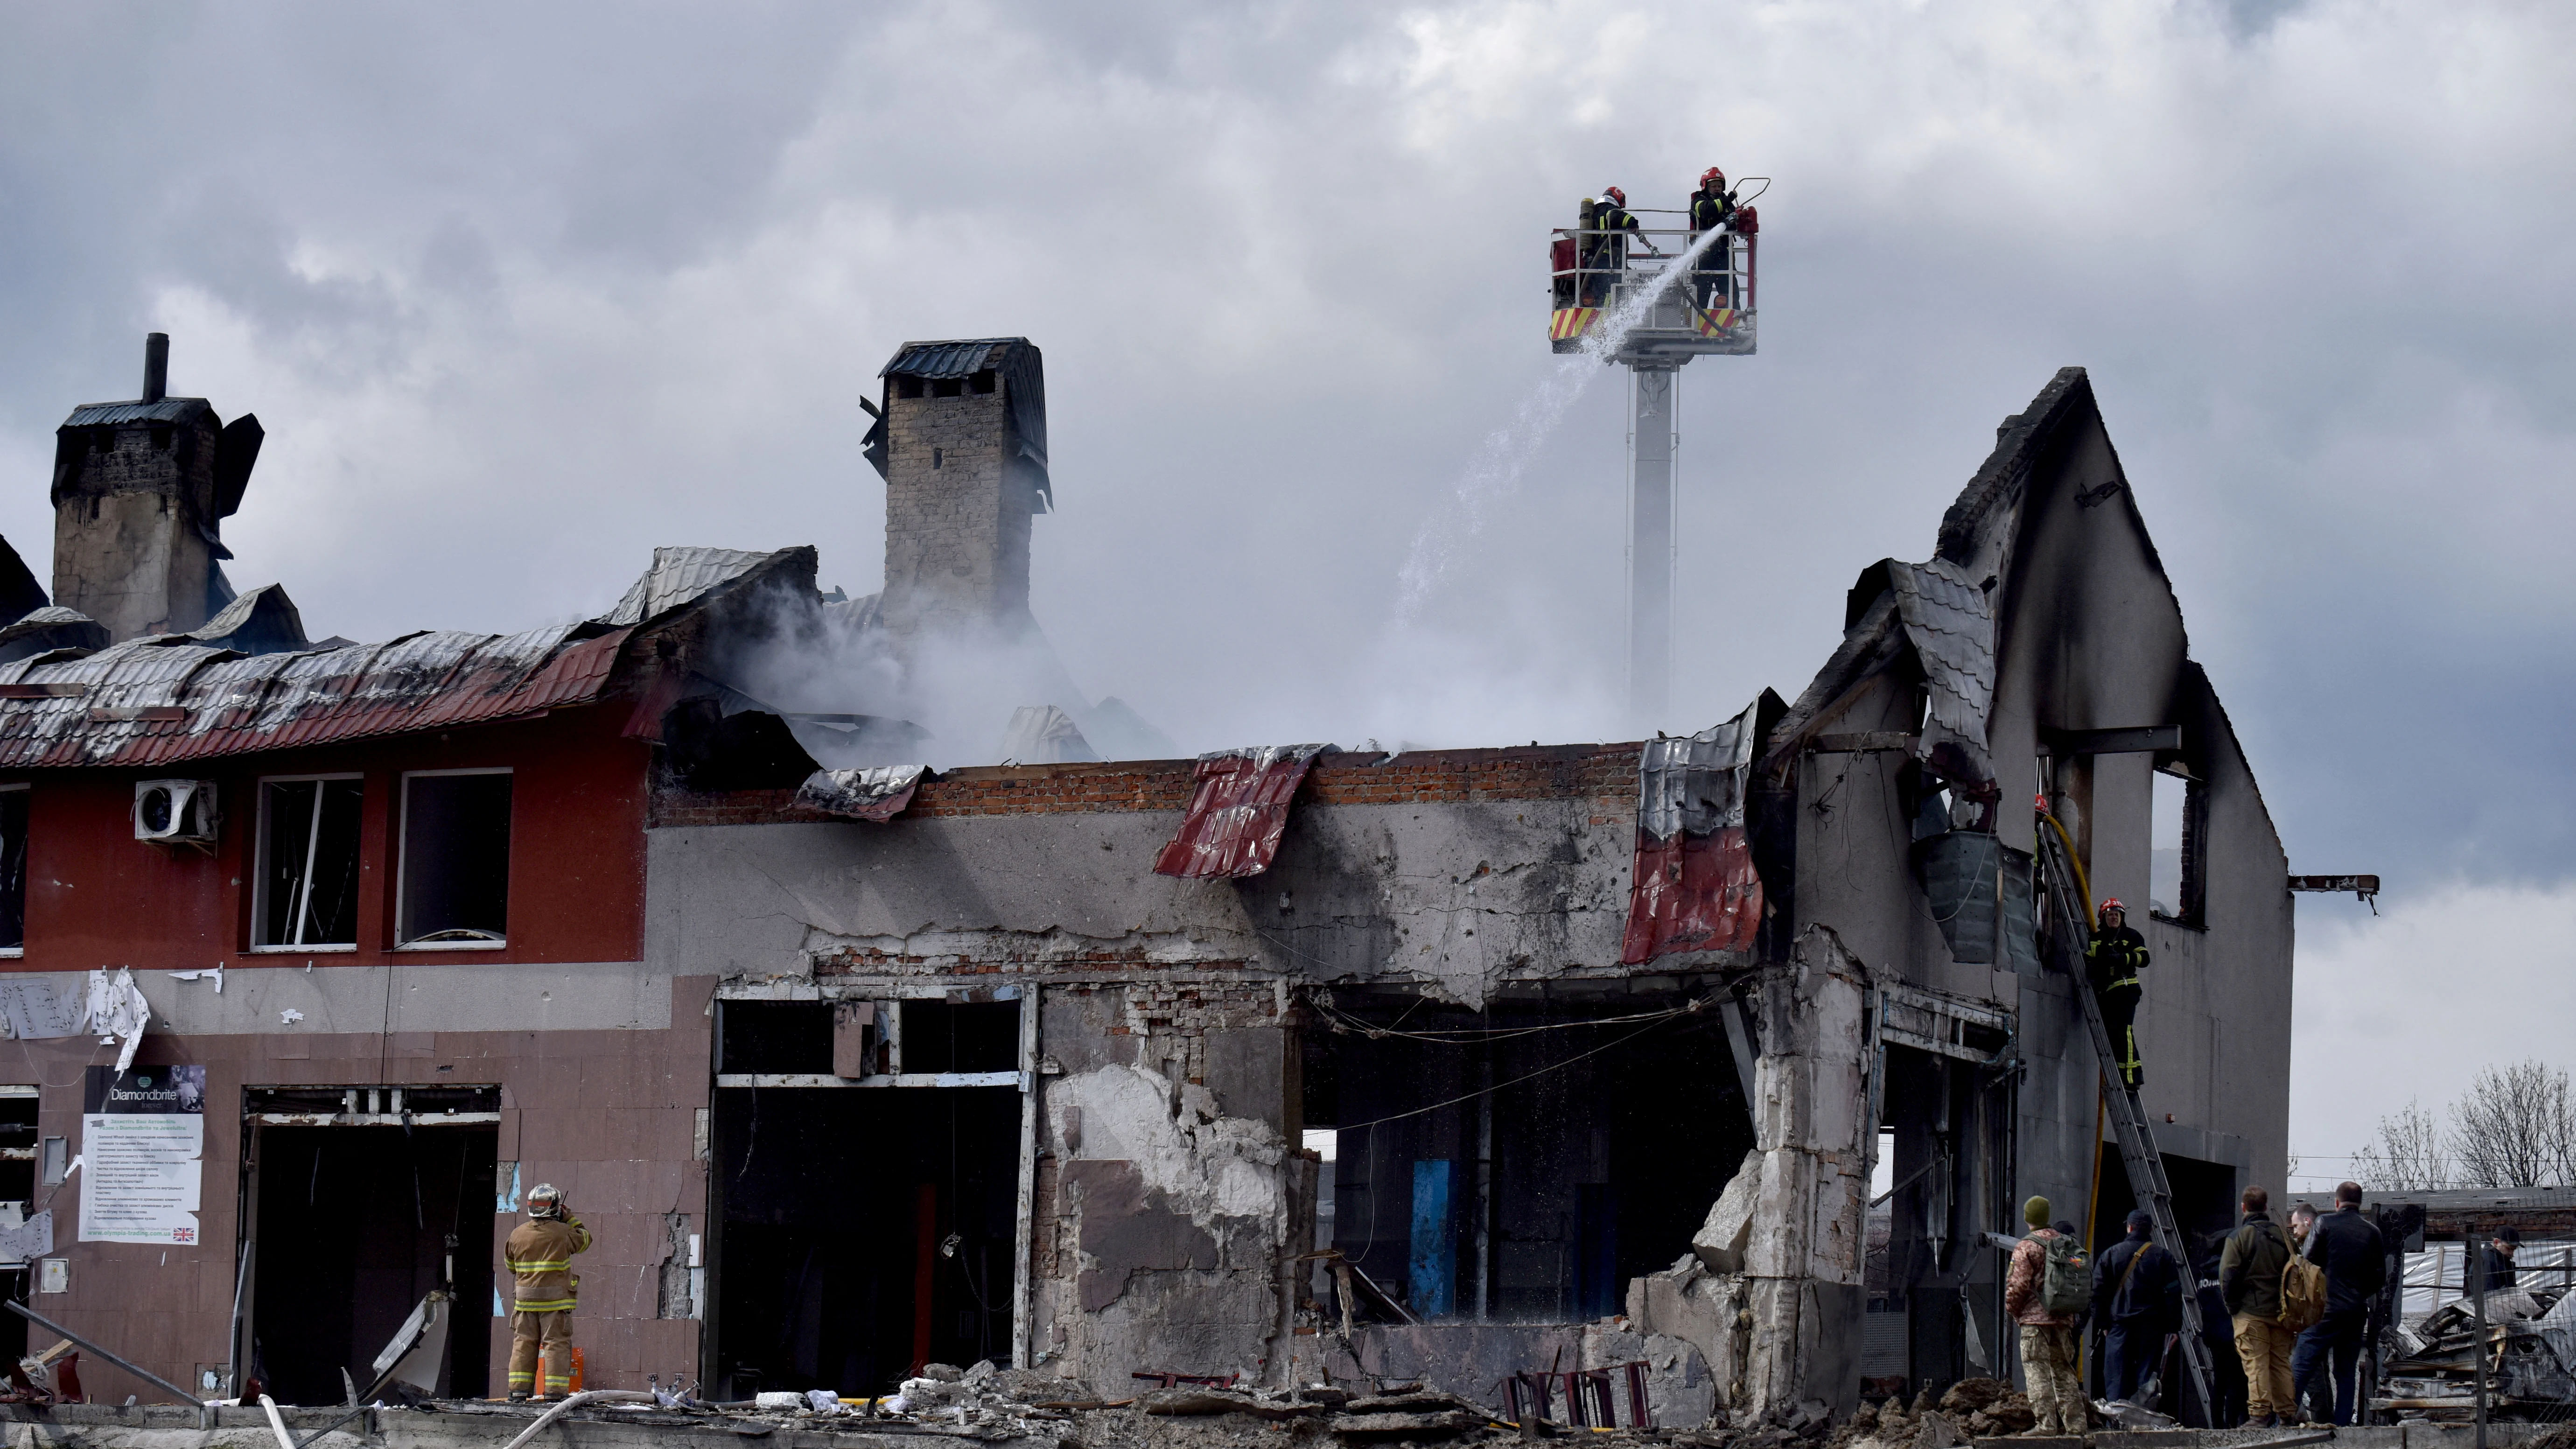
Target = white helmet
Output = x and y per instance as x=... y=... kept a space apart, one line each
x=545 y=1201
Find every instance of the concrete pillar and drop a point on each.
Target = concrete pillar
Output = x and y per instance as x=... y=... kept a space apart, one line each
x=1650 y=544
x=1812 y=1129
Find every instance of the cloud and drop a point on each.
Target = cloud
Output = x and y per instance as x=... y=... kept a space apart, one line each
x=2409 y=1005
x=514 y=314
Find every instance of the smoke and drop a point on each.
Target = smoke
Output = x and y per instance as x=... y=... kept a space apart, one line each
x=1495 y=471
x=959 y=685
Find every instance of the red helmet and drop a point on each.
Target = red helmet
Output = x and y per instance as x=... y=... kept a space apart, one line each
x=1617 y=197
x=2110 y=904
x=1712 y=174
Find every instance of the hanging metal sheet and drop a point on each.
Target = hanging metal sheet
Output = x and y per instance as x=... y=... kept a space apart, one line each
x=1238 y=814
x=1694 y=887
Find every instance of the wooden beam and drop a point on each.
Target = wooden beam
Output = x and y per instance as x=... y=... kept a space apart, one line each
x=2360 y=885
x=1867 y=742
x=2133 y=740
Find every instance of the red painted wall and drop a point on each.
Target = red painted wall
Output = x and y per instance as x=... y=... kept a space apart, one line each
x=96 y=896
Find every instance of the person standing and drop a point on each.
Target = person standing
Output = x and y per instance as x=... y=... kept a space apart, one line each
x=1612 y=225
x=2348 y=1246
x=2316 y=1395
x=1711 y=207
x=2139 y=1288
x=539 y=1258
x=2112 y=961
x=2047 y=1333
x=2249 y=1277
x=2496 y=1259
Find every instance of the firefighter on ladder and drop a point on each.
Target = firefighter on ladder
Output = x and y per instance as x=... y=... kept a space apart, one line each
x=539 y=1257
x=2112 y=961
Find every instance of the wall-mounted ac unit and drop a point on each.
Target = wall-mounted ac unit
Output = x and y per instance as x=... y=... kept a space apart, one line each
x=175 y=812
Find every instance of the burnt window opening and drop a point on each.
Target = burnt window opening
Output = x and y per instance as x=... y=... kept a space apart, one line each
x=106 y=440
x=13 y=868
x=774 y=1038
x=907 y=387
x=948 y=387
x=1553 y=1171
x=983 y=381
x=2177 y=849
x=936 y=454
x=455 y=871
x=308 y=863
x=960 y=1036
x=160 y=438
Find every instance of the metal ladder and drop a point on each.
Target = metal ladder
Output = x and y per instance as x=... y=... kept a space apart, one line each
x=2068 y=915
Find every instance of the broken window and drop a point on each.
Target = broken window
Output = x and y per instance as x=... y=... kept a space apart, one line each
x=13 y=868
x=1524 y=1162
x=2174 y=874
x=455 y=884
x=307 y=893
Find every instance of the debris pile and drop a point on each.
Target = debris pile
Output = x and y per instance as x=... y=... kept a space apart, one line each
x=1977 y=1408
x=2528 y=1355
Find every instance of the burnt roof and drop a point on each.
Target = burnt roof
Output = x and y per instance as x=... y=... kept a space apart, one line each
x=167 y=410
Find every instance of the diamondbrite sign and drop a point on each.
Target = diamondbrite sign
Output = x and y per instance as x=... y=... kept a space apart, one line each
x=143 y=1149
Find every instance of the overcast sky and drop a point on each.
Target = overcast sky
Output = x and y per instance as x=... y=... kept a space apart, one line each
x=522 y=292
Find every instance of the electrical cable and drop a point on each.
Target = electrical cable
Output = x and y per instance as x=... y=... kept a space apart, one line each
x=1323 y=1003
x=1697 y=1004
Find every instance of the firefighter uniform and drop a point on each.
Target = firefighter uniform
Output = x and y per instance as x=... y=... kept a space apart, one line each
x=2112 y=961
x=539 y=1257
x=1711 y=208
x=1612 y=224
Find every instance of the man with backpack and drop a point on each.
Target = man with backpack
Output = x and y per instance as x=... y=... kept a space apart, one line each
x=2140 y=1291
x=2355 y=1259
x=2048 y=1288
x=2249 y=1276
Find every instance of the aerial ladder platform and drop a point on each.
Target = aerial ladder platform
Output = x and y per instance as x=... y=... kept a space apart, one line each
x=2070 y=913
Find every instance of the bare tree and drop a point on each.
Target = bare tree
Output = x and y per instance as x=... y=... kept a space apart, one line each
x=2409 y=1155
x=2515 y=1127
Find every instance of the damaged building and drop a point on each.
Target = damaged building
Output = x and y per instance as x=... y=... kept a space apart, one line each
x=1283 y=1064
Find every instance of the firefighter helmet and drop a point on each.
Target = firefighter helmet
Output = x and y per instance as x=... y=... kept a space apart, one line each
x=1712 y=174
x=545 y=1200
x=1617 y=197
x=2110 y=904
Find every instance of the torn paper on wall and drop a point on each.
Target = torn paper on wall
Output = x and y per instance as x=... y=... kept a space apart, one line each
x=35 y=1011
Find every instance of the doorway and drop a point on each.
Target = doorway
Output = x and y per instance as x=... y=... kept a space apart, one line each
x=357 y=1211
x=865 y=1224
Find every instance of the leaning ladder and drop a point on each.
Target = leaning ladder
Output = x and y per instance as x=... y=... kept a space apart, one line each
x=2129 y=1121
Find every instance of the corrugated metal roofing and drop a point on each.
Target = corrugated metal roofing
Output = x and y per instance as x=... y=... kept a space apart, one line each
x=1693 y=886
x=679 y=576
x=162 y=700
x=1238 y=813
x=947 y=359
x=1696 y=783
x=167 y=410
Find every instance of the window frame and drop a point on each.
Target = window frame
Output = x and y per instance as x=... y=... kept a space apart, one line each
x=2191 y=889
x=19 y=951
x=402 y=857
x=259 y=861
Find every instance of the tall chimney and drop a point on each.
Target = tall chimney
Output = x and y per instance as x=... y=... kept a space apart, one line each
x=963 y=450
x=156 y=367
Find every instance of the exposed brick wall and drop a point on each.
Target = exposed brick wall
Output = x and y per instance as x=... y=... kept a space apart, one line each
x=957 y=513
x=127 y=550
x=1605 y=775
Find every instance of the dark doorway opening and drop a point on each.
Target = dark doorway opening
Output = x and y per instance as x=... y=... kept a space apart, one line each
x=1570 y=1145
x=352 y=1225
x=862 y=1232
x=17 y=1173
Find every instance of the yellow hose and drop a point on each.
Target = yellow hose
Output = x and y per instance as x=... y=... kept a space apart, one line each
x=2083 y=887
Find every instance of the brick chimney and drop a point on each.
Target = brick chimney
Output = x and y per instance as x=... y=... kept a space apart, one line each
x=140 y=493
x=961 y=441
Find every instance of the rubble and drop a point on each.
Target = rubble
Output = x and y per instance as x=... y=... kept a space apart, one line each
x=2530 y=1357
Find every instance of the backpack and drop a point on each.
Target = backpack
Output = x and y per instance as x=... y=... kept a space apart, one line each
x=2303 y=1294
x=2066 y=1288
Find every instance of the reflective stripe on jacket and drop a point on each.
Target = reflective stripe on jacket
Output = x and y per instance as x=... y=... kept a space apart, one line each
x=539 y=1256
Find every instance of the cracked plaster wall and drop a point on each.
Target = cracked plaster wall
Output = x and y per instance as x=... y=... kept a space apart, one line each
x=1457 y=897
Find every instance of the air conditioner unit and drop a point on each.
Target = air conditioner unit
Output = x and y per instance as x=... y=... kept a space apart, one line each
x=175 y=812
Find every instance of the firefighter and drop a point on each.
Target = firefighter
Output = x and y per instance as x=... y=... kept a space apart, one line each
x=1711 y=208
x=2112 y=960
x=1570 y=254
x=1612 y=224
x=539 y=1256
